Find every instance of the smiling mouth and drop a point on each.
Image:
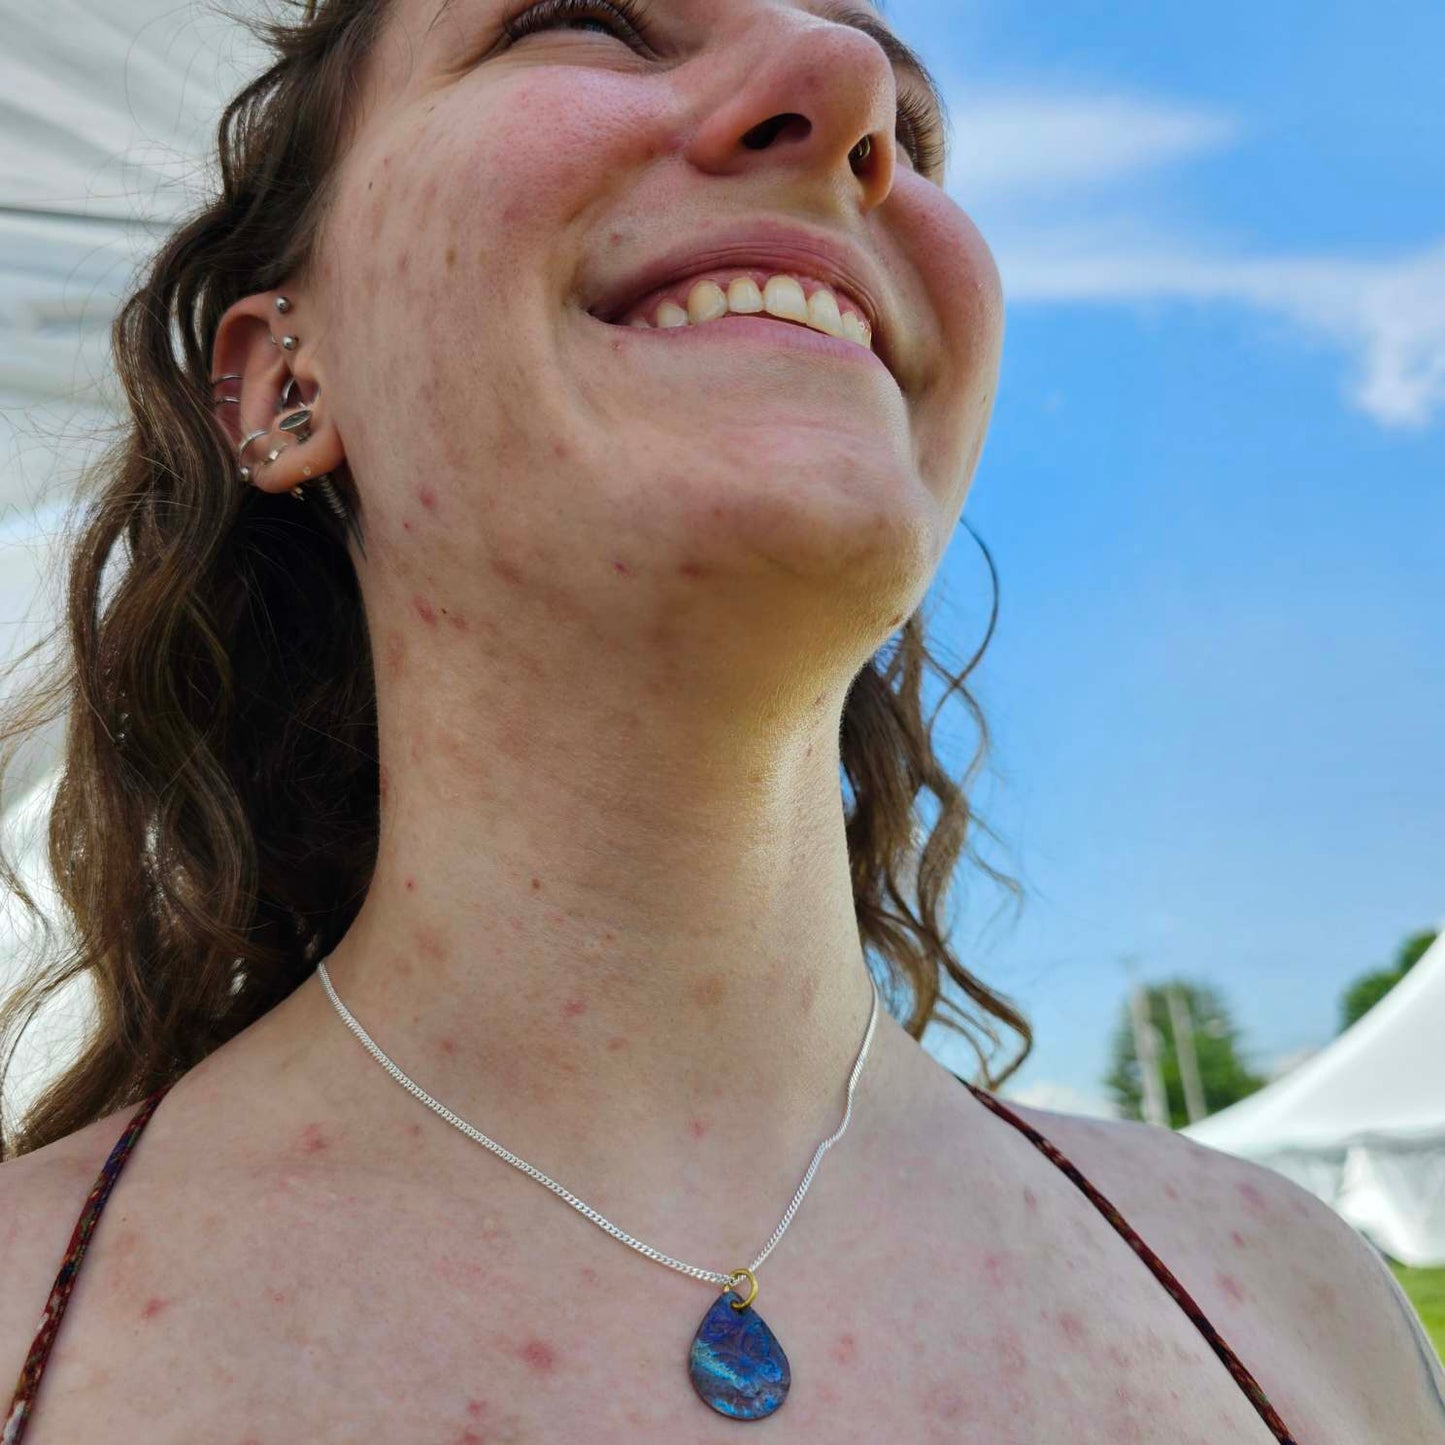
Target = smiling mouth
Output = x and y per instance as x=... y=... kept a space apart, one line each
x=798 y=301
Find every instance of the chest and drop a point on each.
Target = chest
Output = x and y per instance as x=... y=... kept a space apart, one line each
x=336 y=1321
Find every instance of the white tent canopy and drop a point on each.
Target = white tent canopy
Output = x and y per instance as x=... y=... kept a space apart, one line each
x=1362 y=1122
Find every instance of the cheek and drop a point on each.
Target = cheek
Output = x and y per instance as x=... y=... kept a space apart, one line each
x=449 y=240
x=965 y=293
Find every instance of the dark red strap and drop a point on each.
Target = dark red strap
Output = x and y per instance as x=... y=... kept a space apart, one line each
x=24 y=1399
x=1182 y=1297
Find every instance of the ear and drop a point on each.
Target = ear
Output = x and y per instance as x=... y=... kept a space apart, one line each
x=264 y=362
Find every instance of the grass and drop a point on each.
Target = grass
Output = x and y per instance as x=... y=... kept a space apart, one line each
x=1426 y=1288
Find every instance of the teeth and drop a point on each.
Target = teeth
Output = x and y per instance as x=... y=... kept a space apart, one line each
x=782 y=296
x=706 y=302
x=744 y=298
x=823 y=314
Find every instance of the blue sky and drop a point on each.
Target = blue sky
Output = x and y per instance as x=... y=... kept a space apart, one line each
x=1215 y=492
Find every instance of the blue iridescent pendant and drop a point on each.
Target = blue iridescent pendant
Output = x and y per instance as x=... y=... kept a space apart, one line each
x=736 y=1364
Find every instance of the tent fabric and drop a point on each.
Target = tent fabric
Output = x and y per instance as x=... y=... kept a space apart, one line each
x=1361 y=1123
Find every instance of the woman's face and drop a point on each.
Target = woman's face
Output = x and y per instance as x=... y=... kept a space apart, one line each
x=497 y=192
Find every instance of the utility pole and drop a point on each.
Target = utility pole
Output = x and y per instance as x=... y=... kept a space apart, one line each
x=1183 y=1025
x=1146 y=1048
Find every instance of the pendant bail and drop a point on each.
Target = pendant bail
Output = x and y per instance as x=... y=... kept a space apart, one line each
x=752 y=1293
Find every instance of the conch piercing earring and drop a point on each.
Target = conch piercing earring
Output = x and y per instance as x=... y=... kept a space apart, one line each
x=298 y=424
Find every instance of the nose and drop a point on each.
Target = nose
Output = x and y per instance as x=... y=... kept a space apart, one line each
x=805 y=94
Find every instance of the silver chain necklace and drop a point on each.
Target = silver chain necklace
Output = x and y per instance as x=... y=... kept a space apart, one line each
x=736 y=1364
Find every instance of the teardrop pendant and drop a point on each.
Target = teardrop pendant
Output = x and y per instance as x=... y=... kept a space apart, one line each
x=736 y=1364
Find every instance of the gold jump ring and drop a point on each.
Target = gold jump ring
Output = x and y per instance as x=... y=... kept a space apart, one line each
x=752 y=1293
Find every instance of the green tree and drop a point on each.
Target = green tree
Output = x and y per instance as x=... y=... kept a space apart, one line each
x=1222 y=1073
x=1367 y=990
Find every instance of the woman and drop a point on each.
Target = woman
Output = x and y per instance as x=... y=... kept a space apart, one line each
x=631 y=367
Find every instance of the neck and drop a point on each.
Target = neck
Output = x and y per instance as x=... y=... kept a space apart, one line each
x=612 y=922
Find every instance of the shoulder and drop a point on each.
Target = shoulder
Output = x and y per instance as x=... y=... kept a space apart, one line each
x=1291 y=1285
x=41 y=1196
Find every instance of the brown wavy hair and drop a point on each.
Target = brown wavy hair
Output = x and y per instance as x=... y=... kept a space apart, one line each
x=215 y=824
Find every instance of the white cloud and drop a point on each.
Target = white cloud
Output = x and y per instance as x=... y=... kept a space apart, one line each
x=1389 y=316
x=1056 y=183
x=1013 y=142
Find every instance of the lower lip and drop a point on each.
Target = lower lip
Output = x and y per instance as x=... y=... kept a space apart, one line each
x=787 y=334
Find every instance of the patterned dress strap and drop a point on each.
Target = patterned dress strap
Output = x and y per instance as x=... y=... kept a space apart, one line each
x=1182 y=1297
x=23 y=1401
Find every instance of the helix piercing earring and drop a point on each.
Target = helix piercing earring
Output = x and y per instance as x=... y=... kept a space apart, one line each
x=283 y=304
x=248 y=439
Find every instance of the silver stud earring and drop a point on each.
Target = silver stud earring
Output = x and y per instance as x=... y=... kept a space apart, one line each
x=283 y=304
x=288 y=343
x=245 y=474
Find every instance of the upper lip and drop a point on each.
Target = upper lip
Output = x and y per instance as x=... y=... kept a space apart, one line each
x=768 y=244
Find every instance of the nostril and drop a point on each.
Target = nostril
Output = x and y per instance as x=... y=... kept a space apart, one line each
x=760 y=137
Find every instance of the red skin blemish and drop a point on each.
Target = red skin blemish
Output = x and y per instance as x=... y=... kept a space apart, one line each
x=410 y=885
x=424 y=609
x=476 y=1408
x=696 y=1128
x=1072 y=1326
x=430 y=943
x=457 y=621
x=617 y=1041
x=153 y=1307
x=995 y=1270
x=406 y=524
x=470 y=1437
x=539 y=1355
x=1238 y=1238
x=278 y=1296
x=414 y=1130
x=692 y=569
x=1254 y=1197
x=589 y=1274
x=623 y=568
x=447 y=1046
x=312 y=1140
x=427 y=498
x=1230 y=1286
x=845 y=1349
x=574 y=1006
x=536 y=883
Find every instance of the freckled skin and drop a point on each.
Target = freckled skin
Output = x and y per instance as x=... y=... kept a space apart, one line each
x=471 y=361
